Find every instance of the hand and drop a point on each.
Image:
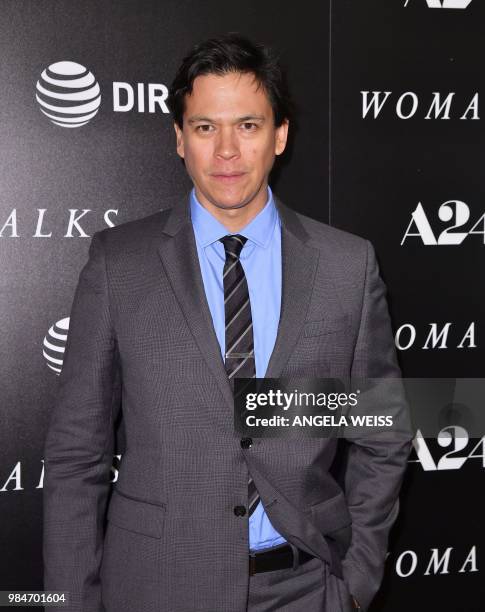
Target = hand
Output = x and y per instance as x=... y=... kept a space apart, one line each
x=356 y=603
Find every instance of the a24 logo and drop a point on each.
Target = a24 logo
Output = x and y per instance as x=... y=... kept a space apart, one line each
x=456 y=438
x=451 y=211
x=445 y=4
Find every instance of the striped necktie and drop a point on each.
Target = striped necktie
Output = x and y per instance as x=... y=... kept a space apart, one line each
x=239 y=357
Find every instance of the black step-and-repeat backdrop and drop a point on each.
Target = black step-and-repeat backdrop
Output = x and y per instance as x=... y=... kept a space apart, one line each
x=387 y=146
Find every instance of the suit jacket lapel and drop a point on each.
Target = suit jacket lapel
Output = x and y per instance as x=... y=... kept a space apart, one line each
x=299 y=264
x=178 y=253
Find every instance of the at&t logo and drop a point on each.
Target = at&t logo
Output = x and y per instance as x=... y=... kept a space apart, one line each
x=54 y=345
x=68 y=94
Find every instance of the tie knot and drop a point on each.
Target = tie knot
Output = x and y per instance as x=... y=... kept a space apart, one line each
x=233 y=244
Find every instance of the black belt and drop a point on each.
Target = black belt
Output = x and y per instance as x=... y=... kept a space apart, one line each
x=276 y=558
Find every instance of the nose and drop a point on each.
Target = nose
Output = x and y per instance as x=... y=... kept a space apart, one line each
x=227 y=146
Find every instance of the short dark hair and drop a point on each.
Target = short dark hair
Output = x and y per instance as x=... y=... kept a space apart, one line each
x=232 y=53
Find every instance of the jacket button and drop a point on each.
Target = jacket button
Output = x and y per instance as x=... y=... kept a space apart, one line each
x=246 y=442
x=239 y=510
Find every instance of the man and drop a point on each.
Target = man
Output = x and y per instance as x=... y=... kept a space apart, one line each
x=168 y=310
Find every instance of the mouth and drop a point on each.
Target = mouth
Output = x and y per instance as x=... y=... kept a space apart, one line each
x=227 y=177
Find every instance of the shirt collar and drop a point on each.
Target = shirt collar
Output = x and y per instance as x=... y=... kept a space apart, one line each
x=208 y=229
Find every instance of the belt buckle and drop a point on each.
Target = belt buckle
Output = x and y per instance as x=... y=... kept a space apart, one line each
x=252 y=564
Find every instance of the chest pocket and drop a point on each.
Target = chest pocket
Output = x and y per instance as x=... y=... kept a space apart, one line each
x=328 y=325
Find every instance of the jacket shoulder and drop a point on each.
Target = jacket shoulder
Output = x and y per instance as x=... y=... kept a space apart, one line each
x=132 y=235
x=332 y=239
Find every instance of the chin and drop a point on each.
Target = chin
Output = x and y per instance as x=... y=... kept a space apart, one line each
x=229 y=201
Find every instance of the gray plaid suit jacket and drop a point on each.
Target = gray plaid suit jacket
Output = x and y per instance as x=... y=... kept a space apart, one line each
x=141 y=330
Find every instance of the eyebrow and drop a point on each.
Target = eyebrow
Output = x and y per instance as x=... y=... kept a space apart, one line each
x=200 y=118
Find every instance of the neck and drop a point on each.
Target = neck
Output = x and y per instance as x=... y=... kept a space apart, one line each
x=234 y=219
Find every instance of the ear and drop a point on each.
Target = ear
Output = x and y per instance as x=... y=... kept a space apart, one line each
x=180 y=140
x=281 y=137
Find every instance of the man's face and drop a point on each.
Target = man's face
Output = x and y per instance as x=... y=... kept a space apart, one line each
x=229 y=140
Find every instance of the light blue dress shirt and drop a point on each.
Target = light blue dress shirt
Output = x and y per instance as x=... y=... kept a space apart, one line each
x=261 y=260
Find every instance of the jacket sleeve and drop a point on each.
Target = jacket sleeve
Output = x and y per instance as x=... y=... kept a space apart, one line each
x=78 y=448
x=375 y=462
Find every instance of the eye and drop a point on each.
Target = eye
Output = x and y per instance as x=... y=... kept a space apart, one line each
x=205 y=128
x=249 y=127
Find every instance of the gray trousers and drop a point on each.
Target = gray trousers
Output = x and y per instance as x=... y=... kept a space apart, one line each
x=308 y=588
